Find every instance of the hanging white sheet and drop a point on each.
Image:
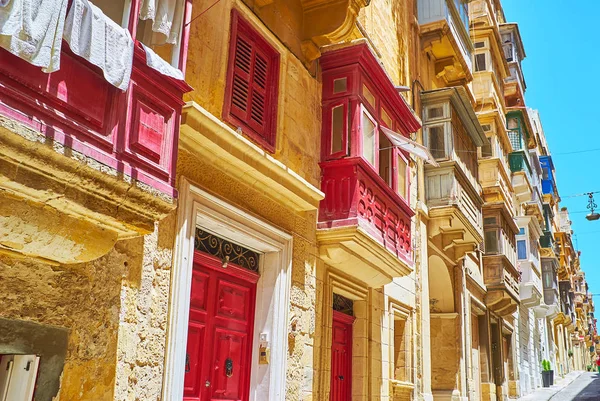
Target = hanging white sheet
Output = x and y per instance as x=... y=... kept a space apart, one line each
x=166 y=16
x=33 y=30
x=101 y=41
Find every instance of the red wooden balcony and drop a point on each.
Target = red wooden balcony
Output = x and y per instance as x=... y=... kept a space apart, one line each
x=135 y=132
x=365 y=219
x=356 y=196
x=84 y=154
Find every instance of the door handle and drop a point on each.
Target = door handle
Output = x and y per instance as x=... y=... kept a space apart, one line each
x=341 y=377
x=207 y=384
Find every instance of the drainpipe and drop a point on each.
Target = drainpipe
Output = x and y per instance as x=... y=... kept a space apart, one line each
x=465 y=329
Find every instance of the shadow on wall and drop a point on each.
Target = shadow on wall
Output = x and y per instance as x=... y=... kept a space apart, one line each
x=48 y=342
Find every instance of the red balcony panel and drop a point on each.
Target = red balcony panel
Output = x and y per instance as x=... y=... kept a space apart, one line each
x=356 y=196
x=134 y=132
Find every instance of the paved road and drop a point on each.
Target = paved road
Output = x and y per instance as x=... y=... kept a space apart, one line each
x=585 y=388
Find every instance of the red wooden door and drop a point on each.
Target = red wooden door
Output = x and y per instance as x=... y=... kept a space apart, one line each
x=341 y=357
x=219 y=332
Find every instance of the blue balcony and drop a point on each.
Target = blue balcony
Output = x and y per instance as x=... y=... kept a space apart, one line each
x=548 y=183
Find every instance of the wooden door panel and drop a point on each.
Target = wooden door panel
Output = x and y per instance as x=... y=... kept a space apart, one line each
x=230 y=348
x=219 y=333
x=192 y=386
x=233 y=301
x=341 y=357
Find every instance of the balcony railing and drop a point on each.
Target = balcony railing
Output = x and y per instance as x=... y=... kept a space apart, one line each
x=356 y=196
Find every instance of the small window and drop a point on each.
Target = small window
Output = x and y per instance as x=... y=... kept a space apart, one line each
x=337 y=128
x=437 y=141
x=480 y=64
x=522 y=249
x=369 y=97
x=435 y=112
x=479 y=45
x=545 y=173
x=340 y=85
x=521 y=231
x=486 y=127
x=491 y=241
x=369 y=147
x=486 y=149
x=506 y=38
x=513 y=123
x=402 y=177
x=489 y=221
x=252 y=83
x=385 y=117
x=385 y=158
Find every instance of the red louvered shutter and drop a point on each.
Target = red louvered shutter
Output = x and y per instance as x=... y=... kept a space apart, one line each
x=252 y=84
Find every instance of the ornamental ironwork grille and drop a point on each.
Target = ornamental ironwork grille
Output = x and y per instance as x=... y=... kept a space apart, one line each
x=226 y=251
x=343 y=305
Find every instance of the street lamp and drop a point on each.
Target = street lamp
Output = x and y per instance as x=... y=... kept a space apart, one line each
x=592 y=206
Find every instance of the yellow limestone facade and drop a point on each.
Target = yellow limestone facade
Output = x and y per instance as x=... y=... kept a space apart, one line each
x=96 y=269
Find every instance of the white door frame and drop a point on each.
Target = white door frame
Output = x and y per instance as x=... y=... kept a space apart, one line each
x=198 y=208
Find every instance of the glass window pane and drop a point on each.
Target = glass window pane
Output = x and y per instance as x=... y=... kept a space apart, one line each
x=368 y=139
x=369 y=97
x=437 y=142
x=491 y=241
x=522 y=249
x=486 y=149
x=337 y=128
x=386 y=119
x=480 y=62
x=385 y=158
x=521 y=231
x=340 y=85
x=489 y=221
x=435 y=112
x=402 y=170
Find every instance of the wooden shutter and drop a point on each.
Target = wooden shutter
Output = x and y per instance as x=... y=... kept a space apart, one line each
x=252 y=83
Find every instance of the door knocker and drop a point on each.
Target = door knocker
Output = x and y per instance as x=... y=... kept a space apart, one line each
x=187 y=362
x=228 y=367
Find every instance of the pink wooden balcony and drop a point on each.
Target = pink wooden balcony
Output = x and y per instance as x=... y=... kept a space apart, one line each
x=134 y=132
x=356 y=196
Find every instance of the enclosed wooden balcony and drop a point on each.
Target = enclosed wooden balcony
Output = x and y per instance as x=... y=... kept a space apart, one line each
x=499 y=261
x=364 y=226
x=445 y=36
x=486 y=13
x=521 y=175
x=514 y=53
x=496 y=182
x=88 y=159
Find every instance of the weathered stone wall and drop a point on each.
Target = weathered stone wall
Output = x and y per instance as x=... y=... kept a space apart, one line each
x=127 y=286
x=299 y=108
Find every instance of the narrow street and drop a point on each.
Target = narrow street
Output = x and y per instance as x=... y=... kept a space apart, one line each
x=584 y=387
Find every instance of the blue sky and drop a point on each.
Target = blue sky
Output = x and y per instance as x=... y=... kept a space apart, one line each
x=560 y=41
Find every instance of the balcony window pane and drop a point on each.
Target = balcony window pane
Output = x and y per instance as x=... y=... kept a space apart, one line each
x=368 y=139
x=491 y=241
x=479 y=45
x=337 y=129
x=486 y=149
x=402 y=170
x=521 y=231
x=515 y=139
x=522 y=249
x=513 y=123
x=437 y=141
x=435 y=112
x=480 y=62
x=385 y=117
x=340 y=85
x=488 y=221
x=369 y=97
x=385 y=158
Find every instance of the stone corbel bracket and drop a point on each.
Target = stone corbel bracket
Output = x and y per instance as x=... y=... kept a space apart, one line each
x=328 y=22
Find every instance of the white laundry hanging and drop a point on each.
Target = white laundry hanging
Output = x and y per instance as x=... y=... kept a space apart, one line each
x=33 y=30
x=166 y=16
x=101 y=41
x=159 y=64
